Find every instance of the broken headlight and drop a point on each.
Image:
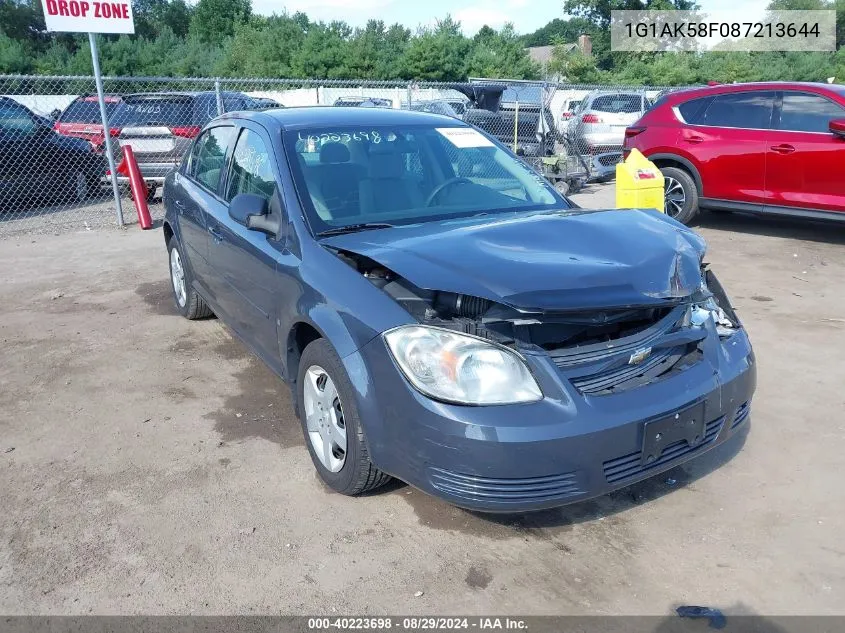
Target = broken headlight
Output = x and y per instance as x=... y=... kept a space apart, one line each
x=716 y=307
x=454 y=367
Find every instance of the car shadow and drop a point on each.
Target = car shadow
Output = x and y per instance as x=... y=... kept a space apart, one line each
x=769 y=226
x=438 y=514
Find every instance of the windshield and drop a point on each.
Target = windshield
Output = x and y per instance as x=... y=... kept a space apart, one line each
x=86 y=111
x=409 y=174
x=618 y=104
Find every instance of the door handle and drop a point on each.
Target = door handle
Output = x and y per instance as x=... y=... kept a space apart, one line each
x=783 y=149
x=216 y=234
x=694 y=139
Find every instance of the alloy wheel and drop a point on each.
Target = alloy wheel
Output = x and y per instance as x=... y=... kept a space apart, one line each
x=673 y=196
x=324 y=418
x=177 y=275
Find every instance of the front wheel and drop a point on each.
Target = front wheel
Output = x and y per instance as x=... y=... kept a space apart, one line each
x=329 y=416
x=680 y=195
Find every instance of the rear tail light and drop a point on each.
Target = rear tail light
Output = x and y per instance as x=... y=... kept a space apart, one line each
x=631 y=132
x=590 y=118
x=187 y=131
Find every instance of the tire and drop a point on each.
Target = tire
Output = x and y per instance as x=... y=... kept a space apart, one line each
x=77 y=186
x=188 y=302
x=562 y=187
x=681 y=195
x=151 y=193
x=356 y=474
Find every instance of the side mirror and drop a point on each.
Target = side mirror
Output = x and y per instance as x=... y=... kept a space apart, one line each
x=837 y=126
x=252 y=211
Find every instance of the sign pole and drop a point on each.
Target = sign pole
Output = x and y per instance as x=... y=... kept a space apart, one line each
x=98 y=79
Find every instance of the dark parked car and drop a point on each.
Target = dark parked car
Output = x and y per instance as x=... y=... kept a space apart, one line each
x=443 y=316
x=768 y=148
x=261 y=103
x=161 y=126
x=35 y=161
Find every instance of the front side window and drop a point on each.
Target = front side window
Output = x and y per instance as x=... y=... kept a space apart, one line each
x=409 y=174
x=749 y=110
x=208 y=156
x=251 y=171
x=804 y=112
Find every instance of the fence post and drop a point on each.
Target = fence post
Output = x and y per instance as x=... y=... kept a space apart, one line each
x=410 y=96
x=219 y=97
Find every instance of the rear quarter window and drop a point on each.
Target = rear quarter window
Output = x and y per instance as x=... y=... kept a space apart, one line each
x=693 y=111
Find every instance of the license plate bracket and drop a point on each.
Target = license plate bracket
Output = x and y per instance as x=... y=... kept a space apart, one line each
x=687 y=424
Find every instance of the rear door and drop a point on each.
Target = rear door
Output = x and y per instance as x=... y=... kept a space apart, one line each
x=197 y=196
x=805 y=166
x=730 y=145
x=159 y=127
x=246 y=260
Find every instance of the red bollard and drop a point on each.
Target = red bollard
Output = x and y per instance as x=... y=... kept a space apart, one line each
x=129 y=167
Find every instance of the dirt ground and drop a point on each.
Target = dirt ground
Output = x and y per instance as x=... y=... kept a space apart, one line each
x=152 y=465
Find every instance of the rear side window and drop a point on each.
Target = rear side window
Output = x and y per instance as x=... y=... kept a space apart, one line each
x=164 y=111
x=251 y=169
x=749 y=110
x=208 y=156
x=693 y=111
x=86 y=110
x=617 y=104
x=804 y=112
x=15 y=121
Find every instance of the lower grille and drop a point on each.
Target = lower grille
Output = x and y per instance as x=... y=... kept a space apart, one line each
x=741 y=415
x=475 y=488
x=629 y=466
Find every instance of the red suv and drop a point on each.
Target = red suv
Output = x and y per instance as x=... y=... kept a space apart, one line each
x=773 y=148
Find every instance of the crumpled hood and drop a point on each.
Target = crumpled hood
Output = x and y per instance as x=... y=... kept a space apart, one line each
x=545 y=261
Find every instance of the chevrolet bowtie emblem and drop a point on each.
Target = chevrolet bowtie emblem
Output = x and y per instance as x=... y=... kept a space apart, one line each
x=639 y=356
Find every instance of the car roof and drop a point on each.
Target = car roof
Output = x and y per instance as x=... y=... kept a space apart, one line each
x=304 y=117
x=704 y=91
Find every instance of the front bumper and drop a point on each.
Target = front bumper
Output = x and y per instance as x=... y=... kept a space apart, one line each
x=565 y=448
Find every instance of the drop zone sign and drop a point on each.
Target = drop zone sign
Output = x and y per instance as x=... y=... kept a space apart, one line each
x=89 y=16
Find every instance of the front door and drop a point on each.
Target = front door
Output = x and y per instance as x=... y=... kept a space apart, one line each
x=245 y=259
x=806 y=162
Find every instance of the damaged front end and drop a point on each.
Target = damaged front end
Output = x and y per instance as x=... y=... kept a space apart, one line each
x=598 y=351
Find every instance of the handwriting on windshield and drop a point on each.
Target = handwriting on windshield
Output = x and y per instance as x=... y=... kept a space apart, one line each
x=373 y=136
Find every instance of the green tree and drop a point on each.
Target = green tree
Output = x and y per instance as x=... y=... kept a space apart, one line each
x=501 y=55
x=559 y=30
x=215 y=20
x=438 y=54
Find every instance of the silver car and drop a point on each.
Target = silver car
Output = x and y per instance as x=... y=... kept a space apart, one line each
x=600 y=121
x=161 y=126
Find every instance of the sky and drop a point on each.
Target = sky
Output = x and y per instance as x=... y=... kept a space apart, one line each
x=526 y=15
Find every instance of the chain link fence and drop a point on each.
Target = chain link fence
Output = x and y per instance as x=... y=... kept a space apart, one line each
x=54 y=174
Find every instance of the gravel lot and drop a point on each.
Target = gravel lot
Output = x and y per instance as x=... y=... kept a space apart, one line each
x=152 y=465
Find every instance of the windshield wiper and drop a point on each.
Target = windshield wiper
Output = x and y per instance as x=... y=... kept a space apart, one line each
x=354 y=228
